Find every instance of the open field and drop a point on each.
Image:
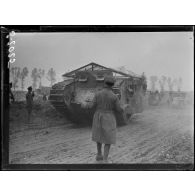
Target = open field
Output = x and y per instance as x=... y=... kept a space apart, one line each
x=158 y=135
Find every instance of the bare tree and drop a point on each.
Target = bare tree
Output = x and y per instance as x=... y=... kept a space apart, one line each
x=15 y=75
x=23 y=75
x=179 y=84
x=35 y=77
x=171 y=83
x=41 y=73
x=153 y=80
x=144 y=76
x=162 y=82
x=175 y=83
x=51 y=76
x=144 y=82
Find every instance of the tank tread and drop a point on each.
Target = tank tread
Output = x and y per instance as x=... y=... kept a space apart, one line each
x=57 y=100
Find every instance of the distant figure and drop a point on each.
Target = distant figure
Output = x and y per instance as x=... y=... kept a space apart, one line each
x=104 y=121
x=29 y=102
x=170 y=100
x=10 y=93
x=44 y=97
x=157 y=96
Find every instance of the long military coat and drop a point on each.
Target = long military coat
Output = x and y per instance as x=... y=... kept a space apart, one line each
x=106 y=104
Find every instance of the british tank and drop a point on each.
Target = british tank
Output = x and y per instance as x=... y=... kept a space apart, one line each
x=71 y=96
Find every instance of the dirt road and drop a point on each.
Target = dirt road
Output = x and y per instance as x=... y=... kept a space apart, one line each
x=158 y=135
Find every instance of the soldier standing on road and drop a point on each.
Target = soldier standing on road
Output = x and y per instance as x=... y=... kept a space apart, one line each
x=104 y=121
x=29 y=102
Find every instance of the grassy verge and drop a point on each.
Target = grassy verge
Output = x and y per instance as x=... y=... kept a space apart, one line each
x=43 y=115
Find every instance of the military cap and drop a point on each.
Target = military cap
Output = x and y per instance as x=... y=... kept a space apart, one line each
x=109 y=80
x=30 y=88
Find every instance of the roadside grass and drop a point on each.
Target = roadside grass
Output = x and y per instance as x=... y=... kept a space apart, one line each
x=43 y=115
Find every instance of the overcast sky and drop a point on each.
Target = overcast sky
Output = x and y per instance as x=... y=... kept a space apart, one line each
x=155 y=53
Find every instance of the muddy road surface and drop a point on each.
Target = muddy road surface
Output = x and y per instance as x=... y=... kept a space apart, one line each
x=158 y=135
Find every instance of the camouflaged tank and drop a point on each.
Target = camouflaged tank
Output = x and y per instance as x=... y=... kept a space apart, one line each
x=71 y=96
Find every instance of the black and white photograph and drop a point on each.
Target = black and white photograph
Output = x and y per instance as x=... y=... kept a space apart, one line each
x=101 y=98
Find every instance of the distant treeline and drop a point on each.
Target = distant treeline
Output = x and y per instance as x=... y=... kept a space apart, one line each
x=163 y=80
x=18 y=76
x=158 y=81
